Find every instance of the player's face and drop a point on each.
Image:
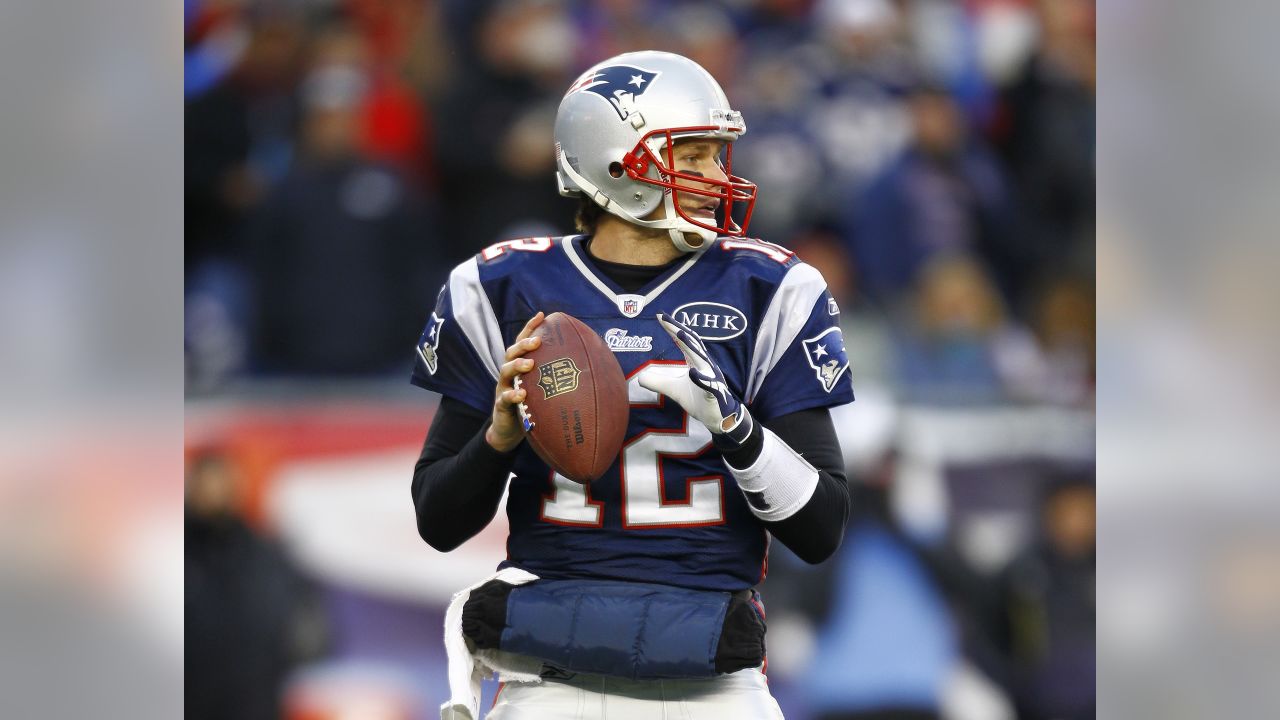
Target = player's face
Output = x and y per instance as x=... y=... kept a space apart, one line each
x=697 y=156
x=700 y=157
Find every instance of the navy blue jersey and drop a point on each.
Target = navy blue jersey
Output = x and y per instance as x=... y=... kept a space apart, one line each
x=667 y=510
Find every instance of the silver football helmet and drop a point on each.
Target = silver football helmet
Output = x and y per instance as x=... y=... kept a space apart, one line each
x=614 y=134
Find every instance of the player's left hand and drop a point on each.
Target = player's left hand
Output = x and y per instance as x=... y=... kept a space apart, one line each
x=701 y=390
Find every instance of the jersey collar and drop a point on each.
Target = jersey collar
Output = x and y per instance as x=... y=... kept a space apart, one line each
x=629 y=304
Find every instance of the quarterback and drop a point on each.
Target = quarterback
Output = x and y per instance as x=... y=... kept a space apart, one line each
x=636 y=596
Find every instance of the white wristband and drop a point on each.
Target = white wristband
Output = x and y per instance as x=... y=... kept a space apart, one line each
x=779 y=482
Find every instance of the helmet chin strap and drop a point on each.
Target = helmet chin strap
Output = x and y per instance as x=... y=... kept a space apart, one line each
x=681 y=227
x=675 y=225
x=682 y=243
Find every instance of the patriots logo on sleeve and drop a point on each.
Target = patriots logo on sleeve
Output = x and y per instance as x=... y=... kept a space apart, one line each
x=619 y=84
x=826 y=355
x=431 y=343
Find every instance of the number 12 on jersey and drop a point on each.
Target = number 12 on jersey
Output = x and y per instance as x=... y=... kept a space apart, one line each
x=644 y=500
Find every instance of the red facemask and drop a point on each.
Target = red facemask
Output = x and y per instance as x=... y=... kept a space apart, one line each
x=732 y=190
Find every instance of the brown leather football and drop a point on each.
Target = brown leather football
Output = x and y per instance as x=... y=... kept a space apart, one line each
x=576 y=398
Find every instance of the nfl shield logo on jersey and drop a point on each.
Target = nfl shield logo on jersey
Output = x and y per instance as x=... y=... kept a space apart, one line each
x=630 y=305
x=825 y=353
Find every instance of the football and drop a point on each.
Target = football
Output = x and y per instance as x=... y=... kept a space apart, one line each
x=576 y=399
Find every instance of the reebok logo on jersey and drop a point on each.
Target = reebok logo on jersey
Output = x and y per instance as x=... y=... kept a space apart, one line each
x=619 y=341
x=712 y=321
x=825 y=353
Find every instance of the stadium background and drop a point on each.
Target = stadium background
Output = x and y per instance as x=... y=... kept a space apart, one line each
x=933 y=158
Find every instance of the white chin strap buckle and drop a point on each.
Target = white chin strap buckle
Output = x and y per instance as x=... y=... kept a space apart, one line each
x=683 y=227
x=680 y=239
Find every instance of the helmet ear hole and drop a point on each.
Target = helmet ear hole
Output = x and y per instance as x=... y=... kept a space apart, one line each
x=615 y=169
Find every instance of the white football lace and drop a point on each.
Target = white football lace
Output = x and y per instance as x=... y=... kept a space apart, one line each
x=522 y=408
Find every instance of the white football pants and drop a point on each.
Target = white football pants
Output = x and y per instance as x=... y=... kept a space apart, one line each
x=743 y=695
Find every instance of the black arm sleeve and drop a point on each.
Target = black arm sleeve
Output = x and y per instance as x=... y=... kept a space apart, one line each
x=459 y=478
x=814 y=533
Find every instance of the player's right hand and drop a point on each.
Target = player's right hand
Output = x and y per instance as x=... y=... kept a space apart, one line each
x=507 y=429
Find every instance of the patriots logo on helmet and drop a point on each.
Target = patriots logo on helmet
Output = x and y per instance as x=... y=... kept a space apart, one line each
x=619 y=84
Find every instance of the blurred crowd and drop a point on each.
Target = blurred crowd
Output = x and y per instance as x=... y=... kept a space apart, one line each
x=904 y=627
x=934 y=158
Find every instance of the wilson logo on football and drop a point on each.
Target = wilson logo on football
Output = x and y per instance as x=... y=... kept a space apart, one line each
x=558 y=377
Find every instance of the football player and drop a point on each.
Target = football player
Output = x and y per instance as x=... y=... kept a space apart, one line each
x=644 y=604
